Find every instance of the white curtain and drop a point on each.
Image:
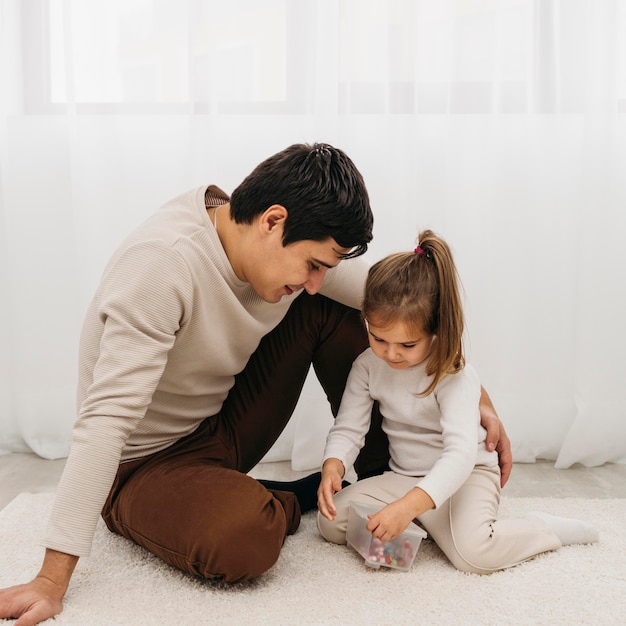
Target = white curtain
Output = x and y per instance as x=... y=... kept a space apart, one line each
x=501 y=124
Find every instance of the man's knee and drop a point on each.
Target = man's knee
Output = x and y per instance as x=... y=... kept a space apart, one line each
x=208 y=521
x=243 y=548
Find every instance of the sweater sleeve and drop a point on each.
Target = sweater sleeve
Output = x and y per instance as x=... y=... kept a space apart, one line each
x=457 y=396
x=129 y=329
x=346 y=282
x=347 y=435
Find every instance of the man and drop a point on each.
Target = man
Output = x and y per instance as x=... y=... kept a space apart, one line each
x=193 y=354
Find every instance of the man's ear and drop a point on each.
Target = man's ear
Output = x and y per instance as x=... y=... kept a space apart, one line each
x=272 y=217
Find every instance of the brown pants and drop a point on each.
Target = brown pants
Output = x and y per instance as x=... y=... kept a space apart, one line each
x=192 y=504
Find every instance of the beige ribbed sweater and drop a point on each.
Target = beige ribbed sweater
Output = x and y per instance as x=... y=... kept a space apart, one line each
x=169 y=327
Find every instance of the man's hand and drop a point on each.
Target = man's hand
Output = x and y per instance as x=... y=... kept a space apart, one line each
x=332 y=474
x=31 y=603
x=497 y=439
x=41 y=598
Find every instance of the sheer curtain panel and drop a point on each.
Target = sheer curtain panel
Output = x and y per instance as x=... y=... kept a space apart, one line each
x=500 y=124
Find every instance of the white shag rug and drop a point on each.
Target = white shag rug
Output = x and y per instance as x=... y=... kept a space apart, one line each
x=317 y=583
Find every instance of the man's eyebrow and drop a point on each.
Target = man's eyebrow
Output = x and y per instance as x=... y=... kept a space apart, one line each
x=320 y=262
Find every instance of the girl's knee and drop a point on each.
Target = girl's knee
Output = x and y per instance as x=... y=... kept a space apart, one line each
x=471 y=550
x=478 y=557
x=477 y=563
x=331 y=531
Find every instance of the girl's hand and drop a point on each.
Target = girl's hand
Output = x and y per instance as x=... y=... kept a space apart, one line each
x=395 y=518
x=332 y=474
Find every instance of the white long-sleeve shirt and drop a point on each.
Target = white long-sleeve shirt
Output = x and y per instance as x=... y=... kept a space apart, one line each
x=437 y=437
x=169 y=327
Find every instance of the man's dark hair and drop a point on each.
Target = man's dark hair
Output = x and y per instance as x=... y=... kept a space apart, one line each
x=323 y=192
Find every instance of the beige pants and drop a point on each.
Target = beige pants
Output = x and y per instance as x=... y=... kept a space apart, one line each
x=466 y=527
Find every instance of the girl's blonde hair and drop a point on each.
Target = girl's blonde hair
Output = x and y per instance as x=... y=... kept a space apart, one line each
x=421 y=290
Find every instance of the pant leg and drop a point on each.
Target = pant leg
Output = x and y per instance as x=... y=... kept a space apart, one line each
x=189 y=508
x=469 y=532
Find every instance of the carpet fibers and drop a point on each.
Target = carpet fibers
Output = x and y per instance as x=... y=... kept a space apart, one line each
x=318 y=583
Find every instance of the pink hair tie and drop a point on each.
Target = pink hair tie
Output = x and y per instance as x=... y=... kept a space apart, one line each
x=419 y=251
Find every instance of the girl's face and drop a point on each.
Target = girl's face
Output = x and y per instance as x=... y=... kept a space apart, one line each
x=398 y=346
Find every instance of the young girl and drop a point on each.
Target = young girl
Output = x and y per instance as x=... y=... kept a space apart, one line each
x=440 y=470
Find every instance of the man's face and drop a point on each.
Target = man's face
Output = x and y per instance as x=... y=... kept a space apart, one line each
x=285 y=269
